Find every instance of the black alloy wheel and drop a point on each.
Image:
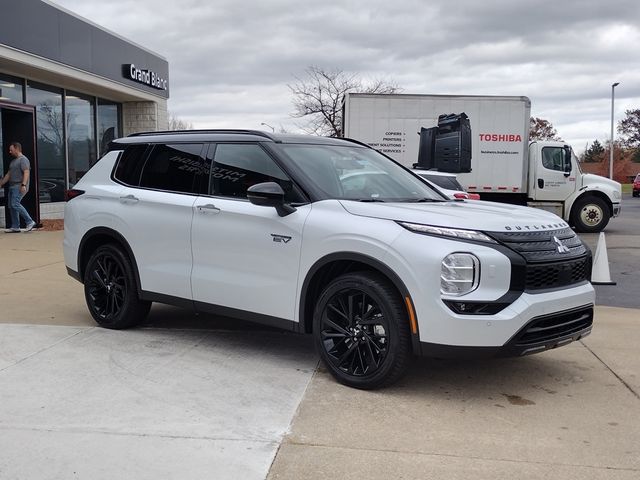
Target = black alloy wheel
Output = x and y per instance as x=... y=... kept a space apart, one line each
x=361 y=331
x=110 y=289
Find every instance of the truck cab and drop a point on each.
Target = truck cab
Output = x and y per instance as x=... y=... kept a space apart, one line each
x=557 y=184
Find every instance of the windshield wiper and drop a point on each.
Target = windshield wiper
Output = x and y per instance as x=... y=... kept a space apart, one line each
x=424 y=200
x=370 y=200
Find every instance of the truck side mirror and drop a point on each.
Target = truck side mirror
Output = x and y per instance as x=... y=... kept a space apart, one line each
x=567 y=160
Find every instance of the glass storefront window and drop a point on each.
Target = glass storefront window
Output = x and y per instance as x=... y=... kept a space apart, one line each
x=108 y=124
x=50 y=139
x=10 y=88
x=81 y=140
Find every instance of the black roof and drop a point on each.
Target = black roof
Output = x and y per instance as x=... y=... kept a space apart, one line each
x=228 y=136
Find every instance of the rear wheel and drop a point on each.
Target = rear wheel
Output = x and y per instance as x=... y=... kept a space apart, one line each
x=361 y=331
x=110 y=289
x=590 y=214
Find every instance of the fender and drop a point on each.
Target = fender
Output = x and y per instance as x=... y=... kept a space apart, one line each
x=118 y=238
x=590 y=190
x=304 y=324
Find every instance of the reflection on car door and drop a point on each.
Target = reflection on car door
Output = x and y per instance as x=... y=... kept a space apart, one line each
x=245 y=257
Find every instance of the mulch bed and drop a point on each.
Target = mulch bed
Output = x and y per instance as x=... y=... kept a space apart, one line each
x=52 y=225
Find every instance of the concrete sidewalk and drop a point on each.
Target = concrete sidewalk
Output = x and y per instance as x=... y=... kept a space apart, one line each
x=200 y=396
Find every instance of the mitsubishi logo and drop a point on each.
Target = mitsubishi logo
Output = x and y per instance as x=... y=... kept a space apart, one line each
x=561 y=247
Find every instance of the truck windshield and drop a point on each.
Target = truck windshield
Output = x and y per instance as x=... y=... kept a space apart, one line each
x=357 y=173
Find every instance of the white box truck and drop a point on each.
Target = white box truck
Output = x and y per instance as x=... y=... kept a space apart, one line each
x=485 y=140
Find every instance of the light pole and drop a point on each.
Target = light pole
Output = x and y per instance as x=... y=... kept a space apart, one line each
x=273 y=130
x=613 y=86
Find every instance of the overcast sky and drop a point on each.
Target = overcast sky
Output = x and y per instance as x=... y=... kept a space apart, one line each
x=230 y=61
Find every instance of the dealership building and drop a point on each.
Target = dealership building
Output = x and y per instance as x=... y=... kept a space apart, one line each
x=67 y=88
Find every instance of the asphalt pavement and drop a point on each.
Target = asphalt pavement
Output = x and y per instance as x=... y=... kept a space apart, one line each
x=194 y=396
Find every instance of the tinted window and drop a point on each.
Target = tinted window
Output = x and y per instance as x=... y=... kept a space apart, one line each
x=130 y=165
x=236 y=167
x=173 y=167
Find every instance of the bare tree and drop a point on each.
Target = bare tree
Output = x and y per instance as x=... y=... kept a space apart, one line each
x=540 y=129
x=176 y=123
x=318 y=95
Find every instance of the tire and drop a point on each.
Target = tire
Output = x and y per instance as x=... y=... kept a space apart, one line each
x=110 y=289
x=590 y=214
x=636 y=193
x=361 y=331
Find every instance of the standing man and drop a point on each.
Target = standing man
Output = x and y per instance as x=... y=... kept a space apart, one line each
x=18 y=179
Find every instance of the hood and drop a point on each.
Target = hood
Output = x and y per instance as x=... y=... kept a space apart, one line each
x=474 y=215
x=596 y=180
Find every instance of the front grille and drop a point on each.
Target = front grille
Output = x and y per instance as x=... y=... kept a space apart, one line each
x=550 y=329
x=542 y=246
x=557 y=274
x=553 y=258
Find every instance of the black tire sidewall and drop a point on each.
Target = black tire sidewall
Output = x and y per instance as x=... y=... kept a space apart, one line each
x=389 y=302
x=132 y=308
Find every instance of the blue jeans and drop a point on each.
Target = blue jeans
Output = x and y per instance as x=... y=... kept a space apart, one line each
x=16 y=210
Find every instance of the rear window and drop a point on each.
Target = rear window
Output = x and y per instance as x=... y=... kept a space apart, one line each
x=130 y=165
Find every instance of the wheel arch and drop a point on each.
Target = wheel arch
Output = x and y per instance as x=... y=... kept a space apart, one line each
x=98 y=236
x=332 y=266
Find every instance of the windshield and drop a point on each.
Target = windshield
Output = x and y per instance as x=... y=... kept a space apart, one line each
x=357 y=173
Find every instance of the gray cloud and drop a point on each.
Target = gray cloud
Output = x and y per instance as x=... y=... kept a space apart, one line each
x=230 y=61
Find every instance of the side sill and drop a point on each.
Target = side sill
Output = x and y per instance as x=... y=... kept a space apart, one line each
x=267 y=320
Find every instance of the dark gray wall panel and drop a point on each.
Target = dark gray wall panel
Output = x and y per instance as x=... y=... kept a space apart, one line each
x=39 y=28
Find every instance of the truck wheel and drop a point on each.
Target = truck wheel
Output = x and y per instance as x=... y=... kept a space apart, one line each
x=590 y=214
x=110 y=289
x=361 y=330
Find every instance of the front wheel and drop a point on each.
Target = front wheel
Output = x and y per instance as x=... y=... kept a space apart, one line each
x=590 y=214
x=110 y=289
x=361 y=330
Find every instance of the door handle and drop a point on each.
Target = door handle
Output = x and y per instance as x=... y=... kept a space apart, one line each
x=541 y=183
x=208 y=208
x=129 y=199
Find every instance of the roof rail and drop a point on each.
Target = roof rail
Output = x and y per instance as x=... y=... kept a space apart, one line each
x=220 y=130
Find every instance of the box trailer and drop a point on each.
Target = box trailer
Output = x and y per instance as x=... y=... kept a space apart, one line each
x=485 y=140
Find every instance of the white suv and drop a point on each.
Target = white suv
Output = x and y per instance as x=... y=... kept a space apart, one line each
x=321 y=236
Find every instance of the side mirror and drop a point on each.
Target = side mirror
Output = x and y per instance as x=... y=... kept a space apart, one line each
x=567 y=160
x=269 y=194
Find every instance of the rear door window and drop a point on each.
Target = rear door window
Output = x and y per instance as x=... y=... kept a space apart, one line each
x=174 y=168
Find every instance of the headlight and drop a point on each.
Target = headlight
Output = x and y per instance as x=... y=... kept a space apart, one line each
x=617 y=195
x=460 y=274
x=447 y=232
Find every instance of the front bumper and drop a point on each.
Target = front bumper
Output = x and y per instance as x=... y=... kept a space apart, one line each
x=494 y=333
x=541 y=333
x=617 y=208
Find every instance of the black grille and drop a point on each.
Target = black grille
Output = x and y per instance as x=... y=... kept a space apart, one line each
x=558 y=274
x=543 y=245
x=550 y=329
x=553 y=258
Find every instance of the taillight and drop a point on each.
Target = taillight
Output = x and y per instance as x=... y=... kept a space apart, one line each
x=71 y=194
x=473 y=196
x=460 y=195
